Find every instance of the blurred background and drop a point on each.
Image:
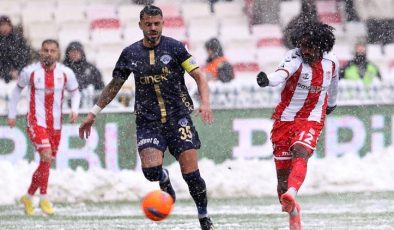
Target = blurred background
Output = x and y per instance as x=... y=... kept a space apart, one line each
x=252 y=35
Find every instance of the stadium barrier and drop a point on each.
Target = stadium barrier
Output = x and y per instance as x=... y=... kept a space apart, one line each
x=236 y=133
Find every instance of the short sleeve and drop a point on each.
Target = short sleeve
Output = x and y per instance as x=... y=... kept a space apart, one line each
x=185 y=58
x=123 y=66
x=291 y=62
x=72 y=83
x=24 y=77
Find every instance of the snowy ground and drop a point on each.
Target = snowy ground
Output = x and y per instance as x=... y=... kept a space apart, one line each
x=354 y=211
x=339 y=193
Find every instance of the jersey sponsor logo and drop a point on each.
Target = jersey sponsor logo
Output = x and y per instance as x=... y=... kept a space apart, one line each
x=312 y=88
x=165 y=59
x=148 y=141
x=157 y=78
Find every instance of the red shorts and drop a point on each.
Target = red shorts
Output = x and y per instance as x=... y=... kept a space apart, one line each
x=285 y=134
x=43 y=138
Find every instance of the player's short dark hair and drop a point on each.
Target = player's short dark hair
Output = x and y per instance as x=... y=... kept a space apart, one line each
x=151 y=10
x=50 y=41
x=319 y=34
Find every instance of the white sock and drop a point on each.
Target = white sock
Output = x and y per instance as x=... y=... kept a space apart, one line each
x=43 y=196
x=29 y=196
x=292 y=191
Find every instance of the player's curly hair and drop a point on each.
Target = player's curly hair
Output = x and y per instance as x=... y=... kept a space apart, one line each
x=319 y=34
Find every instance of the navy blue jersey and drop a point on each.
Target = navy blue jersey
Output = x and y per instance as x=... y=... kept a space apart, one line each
x=159 y=78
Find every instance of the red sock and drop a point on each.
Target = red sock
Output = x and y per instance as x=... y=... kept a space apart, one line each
x=298 y=173
x=40 y=178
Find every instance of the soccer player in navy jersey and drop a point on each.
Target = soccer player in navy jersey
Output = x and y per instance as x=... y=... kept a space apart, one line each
x=162 y=106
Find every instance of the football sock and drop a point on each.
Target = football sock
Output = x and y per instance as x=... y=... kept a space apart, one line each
x=292 y=191
x=198 y=191
x=153 y=173
x=163 y=176
x=298 y=173
x=41 y=174
x=45 y=177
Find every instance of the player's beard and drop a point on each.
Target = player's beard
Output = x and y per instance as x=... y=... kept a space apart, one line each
x=153 y=40
x=47 y=61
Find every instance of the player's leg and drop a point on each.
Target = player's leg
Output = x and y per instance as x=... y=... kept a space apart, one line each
x=188 y=161
x=302 y=147
x=183 y=144
x=54 y=139
x=152 y=161
x=151 y=147
x=39 y=138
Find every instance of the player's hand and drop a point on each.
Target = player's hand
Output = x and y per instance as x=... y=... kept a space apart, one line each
x=329 y=109
x=262 y=79
x=73 y=117
x=84 y=129
x=11 y=122
x=206 y=113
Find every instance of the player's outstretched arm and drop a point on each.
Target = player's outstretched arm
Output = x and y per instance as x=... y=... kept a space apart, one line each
x=12 y=103
x=203 y=90
x=107 y=95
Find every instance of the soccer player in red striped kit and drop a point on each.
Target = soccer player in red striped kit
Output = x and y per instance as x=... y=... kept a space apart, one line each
x=310 y=84
x=46 y=81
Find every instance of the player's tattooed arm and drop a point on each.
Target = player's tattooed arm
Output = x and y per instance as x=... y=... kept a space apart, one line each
x=109 y=92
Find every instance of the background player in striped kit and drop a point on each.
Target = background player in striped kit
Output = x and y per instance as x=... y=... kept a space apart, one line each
x=310 y=83
x=46 y=81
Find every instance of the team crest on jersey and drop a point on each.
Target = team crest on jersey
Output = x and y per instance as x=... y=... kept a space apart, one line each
x=165 y=59
x=183 y=122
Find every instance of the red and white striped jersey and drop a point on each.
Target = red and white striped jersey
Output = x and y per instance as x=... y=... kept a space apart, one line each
x=46 y=89
x=307 y=89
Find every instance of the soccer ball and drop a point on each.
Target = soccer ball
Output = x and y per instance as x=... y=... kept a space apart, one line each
x=157 y=205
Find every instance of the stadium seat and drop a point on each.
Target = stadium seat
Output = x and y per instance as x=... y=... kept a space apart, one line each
x=240 y=55
x=106 y=36
x=72 y=31
x=270 y=56
x=288 y=10
x=328 y=12
x=178 y=33
x=100 y=11
x=11 y=8
x=267 y=35
x=202 y=29
x=34 y=32
x=226 y=9
x=343 y=53
x=31 y=15
x=132 y=33
x=355 y=31
x=375 y=53
x=129 y=14
x=170 y=9
x=192 y=10
x=69 y=13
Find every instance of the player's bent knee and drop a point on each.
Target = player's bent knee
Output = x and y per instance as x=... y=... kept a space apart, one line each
x=299 y=151
x=192 y=177
x=46 y=155
x=152 y=173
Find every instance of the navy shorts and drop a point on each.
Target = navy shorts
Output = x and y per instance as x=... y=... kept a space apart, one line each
x=178 y=134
